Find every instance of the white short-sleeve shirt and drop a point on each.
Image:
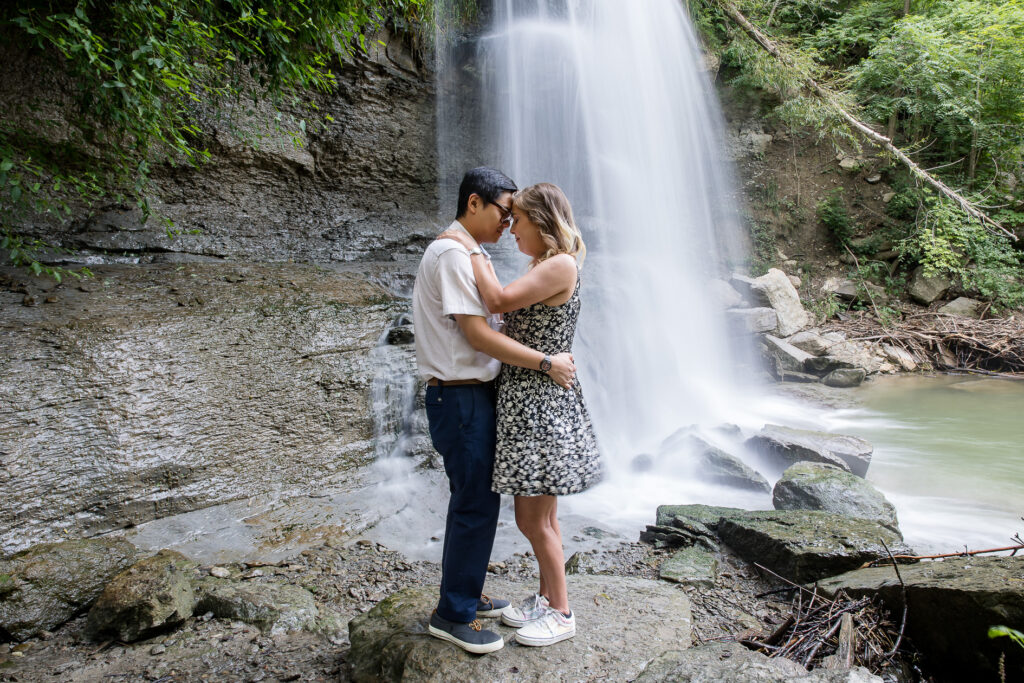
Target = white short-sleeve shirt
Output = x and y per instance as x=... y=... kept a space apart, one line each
x=445 y=287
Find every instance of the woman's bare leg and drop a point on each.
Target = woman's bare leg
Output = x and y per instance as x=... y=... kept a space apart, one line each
x=537 y=518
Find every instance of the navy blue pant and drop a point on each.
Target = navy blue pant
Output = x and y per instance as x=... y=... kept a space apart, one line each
x=462 y=429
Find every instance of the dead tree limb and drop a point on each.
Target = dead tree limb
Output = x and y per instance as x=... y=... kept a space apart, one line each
x=880 y=140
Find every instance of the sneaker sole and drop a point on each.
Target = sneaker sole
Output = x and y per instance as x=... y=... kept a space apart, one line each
x=477 y=649
x=541 y=642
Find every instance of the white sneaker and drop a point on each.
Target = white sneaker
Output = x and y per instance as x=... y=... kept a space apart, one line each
x=532 y=608
x=551 y=628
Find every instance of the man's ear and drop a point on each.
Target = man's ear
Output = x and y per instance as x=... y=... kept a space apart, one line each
x=474 y=204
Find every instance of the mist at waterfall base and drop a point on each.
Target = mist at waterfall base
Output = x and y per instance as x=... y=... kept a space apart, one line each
x=608 y=100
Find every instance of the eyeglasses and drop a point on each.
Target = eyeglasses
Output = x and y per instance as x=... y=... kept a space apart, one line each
x=506 y=214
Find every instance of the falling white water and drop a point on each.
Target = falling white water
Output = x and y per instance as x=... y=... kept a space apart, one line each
x=608 y=100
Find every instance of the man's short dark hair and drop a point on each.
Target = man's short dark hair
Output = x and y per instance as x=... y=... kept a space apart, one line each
x=489 y=183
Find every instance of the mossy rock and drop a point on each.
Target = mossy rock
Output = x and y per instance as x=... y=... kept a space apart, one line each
x=48 y=584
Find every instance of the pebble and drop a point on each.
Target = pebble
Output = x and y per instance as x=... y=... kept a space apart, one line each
x=206 y=617
x=157 y=650
x=220 y=572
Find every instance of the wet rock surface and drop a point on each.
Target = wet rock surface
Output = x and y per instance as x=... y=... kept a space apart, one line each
x=803 y=545
x=816 y=486
x=45 y=586
x=273 y=607
x=950 y=606
x=789 y=446
x=168 y=388
x=390 y=642
x=152 y=594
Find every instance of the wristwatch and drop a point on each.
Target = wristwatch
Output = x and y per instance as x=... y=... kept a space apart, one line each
x=476 y=250
x=545 y=365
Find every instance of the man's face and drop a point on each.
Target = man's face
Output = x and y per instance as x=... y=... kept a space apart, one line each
x=497 y=215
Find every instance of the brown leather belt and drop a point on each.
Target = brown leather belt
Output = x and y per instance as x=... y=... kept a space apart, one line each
x=434 y=382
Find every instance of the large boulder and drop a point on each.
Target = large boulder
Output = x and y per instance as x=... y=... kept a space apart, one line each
x=151 y=594
x=48 y=584
x=733 y=663
x=810 y=342
x=788 y=446
x=707 y=515
x=816 y=486
x=782 y=356
x=783 y=297
x=748 y=288
x=275 y=608
x=925 y=289
x=849 y=290
x=718 y=467
x=390 y=642
x=806 y=545
x=950 y=606
x=844 y=378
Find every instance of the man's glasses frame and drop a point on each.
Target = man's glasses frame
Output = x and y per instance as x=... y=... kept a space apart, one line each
x=506 y=214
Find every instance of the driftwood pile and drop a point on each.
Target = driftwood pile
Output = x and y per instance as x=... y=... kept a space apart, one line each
x=993 y=346
x=836 y=633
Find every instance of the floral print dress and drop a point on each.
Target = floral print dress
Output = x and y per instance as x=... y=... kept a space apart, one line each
x=546 y=443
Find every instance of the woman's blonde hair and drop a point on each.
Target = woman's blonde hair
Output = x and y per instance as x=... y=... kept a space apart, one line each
x=546 y=205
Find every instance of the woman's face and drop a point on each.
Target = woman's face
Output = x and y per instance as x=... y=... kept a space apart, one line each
x=527 y=234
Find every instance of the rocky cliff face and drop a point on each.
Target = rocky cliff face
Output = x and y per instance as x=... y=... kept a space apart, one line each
x=154 y=390
x=360 y=187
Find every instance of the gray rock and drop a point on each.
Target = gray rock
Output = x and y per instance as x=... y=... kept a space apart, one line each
x=691 y=567
x=810 y=342
x=806 y=545
x=873 y=179
x=151 y=594
x=793 y=376
x=707 y=515
x=950 y=606
x=790 y=446
x=390 y=643
x=783 y=355
x=899 y=357
x=724 y=294
x=716 y=466
x=733 y=663
x=170 y=409
x=850 y=165
x=46 y=585
x=848 y=354
x=747 y=286
x=926 y=289
x=752 y=320
x=816 y=486
x=963 y=307
x=401 y=334
x=849 y=290
x=783 y=297
x=844 y=378
x=275 y=608
x=887 y=197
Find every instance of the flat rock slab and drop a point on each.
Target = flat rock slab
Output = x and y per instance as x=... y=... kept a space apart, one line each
x=733 y=663
x=950 y=607
x=690 y=567
x=621 y=623
x=48 y=584
x=805 y=545
x=708 y=515
x=817 y=486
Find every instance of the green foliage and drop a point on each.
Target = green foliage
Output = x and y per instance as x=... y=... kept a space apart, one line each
x=141 y=72
x=1005 y=631
x=825 y=308
x=833 y=214
x=763 y=242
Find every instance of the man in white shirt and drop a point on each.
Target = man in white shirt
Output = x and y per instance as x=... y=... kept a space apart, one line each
x=459 y=352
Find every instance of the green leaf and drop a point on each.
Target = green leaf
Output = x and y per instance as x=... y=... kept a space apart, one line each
x=6 y=165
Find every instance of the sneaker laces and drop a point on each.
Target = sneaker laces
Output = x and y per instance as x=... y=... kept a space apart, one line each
x=484 y=598
x=475 y=625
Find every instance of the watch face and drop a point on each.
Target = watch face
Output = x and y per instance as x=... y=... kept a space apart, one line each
x=545 y=365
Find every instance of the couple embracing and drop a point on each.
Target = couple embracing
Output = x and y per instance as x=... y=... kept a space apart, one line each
x=505 y=409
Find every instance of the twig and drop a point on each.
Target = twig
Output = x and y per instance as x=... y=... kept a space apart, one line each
x=903 y=590
x=964 y=553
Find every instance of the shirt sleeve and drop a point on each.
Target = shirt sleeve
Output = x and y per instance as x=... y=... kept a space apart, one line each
x=459 y=295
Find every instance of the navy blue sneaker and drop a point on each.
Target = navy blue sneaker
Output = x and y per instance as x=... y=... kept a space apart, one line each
x=487 y=606
x=470 y=637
